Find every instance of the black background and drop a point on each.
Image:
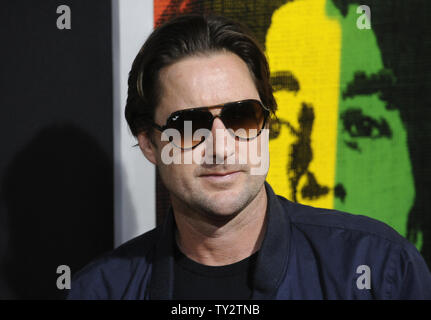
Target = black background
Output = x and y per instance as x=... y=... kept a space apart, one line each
x=56 y=171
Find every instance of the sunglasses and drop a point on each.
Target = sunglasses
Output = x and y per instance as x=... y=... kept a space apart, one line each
x=244 y=120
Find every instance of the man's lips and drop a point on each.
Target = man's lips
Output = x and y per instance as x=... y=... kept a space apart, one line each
x=220 y=177
x=219 y=173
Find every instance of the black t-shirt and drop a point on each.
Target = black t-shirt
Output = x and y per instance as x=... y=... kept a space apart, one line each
x=193 y=280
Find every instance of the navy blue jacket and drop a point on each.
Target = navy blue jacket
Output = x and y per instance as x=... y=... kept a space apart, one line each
x=307 y=253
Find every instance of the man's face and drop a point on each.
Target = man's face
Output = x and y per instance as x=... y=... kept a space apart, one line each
x=212 y=189
x=334 y=150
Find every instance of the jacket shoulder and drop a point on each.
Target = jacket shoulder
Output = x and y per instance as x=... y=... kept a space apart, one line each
x=342 y=241
x=112 y=274
x=320 y=218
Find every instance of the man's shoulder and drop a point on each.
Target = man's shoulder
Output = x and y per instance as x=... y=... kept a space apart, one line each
x=345 y=244
x=115 y=269
x=136 y=248
x=322 y=220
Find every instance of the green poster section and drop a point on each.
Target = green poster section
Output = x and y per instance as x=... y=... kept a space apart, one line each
x=373 y=162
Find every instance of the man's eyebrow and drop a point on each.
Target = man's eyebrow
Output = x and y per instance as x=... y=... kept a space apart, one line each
x=379 y=82
x=284 y=80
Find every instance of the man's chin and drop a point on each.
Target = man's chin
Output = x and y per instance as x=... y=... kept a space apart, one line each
x=221 y=214
x=224 y=204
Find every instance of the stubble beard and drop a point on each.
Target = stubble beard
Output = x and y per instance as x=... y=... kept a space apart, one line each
x=218 y=209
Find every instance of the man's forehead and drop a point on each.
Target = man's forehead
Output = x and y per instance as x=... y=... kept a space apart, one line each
x=204 y=80
x=189 y=71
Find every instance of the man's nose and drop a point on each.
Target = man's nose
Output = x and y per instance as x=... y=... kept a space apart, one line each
x=223 y=142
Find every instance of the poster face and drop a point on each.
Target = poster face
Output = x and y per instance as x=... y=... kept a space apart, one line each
x=352 y=84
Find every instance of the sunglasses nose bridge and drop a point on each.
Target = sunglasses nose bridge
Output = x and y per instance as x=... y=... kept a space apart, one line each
x=221 y=120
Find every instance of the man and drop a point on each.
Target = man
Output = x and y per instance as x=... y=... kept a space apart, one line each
x=348 y=98
x=227 y=235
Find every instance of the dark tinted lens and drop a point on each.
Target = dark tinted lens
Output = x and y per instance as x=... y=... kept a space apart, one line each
x=187 y=122
x=244 y=118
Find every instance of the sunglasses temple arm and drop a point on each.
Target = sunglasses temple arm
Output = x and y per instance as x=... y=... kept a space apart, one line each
x=156 y=126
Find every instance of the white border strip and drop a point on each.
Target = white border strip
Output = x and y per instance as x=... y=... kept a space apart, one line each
x=134 y=176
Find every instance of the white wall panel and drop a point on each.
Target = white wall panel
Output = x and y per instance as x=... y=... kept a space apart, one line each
x=134 y=181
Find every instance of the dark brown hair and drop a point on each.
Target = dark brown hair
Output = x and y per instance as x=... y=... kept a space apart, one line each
x=185 y=36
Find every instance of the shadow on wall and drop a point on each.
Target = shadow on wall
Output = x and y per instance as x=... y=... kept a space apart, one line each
x=58 y=196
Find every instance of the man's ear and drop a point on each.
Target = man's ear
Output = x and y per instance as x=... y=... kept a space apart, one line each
x=147 y=146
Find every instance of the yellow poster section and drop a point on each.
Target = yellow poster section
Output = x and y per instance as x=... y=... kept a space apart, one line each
x=304 y=41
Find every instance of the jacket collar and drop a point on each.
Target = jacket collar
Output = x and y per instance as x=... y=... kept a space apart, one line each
x=271 y=261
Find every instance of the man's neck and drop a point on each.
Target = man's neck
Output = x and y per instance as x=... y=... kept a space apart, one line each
x=215 y=244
